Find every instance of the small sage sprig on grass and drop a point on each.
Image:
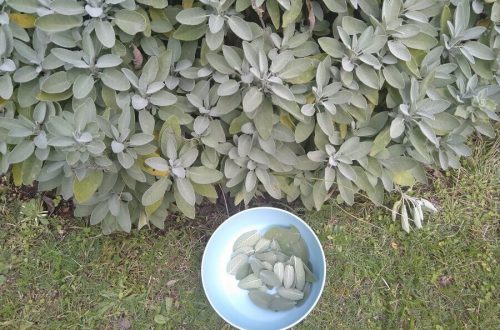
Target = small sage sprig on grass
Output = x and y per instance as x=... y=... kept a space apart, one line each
x=273 y=267
x=411 y=209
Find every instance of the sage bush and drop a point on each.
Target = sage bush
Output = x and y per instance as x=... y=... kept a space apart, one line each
x=135 y=109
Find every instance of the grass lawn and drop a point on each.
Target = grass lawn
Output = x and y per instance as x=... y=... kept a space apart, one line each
x=64 y=275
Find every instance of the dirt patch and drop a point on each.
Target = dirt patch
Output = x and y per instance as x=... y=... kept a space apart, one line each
x=208 y=215
x=22 y=193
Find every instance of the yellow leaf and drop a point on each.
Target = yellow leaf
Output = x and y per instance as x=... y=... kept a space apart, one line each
x=187 y=4
x=2 y=101
x=418 y=55
x=30 y=168
x=372 y=96
x=403 y=178
x=143 y=221
x=42 y=96
x=85 y=189
x=310 y=98
x=286 y=120
x=157 y=14
x=150 y=209
x=239 y=197
x=483 y=22
x=26 y=21
x=343 y=130
x=154 y=172
x=17 y=174
x=151 y=170
x=205 y=190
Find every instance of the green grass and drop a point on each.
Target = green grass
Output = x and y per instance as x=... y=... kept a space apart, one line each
x=65 y=275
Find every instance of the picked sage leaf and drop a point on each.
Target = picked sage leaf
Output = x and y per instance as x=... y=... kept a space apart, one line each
x=263 y=288
x=247 y=239
x=289 y=241
x=251 y=281
x=272 y=261
x=300 y=276
x=291 y=294
x=288 y=276
x=307 y=292
x=275 y=245
x=236 y=262
x=310 y=277
x=248 y=250
x=267 y=265
x=281 y=257
x=279 y=270
x=269 y=278
x=281 y=304
x=261 y=299
x=279 y=234
x=256 y=265
x=267 y=256
x=262 y=245
x=242 y=272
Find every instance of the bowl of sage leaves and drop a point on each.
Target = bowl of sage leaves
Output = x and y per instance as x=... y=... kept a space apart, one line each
x=263 y=268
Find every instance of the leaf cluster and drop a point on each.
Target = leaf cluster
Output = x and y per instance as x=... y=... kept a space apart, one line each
x=138 y=108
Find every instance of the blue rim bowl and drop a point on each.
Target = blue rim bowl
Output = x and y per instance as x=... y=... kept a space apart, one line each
x=231 y=302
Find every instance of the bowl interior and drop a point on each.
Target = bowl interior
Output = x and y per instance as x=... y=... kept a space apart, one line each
x=231 y=302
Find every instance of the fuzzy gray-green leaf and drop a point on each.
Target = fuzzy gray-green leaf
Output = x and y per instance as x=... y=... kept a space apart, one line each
x=58 y=23
x=291 y=294
x=288 y=276
x=269 y=278
x=247 y=239
x=56 y=83
x=156 y=192
x=300 y=276
x=248 y=250
x=261 y=299
x=21 y=152
x=130 y=22
x=192 y=16
x=236 y=263
x=256 y=265
x=307 y=292
x=240 y=28
x=252 y=281
x=252 y=99
x=310 y=277
x=105 y=33
x=262 y=245
x=279 y=270
x=242 y=272
x=270 y=256
x=281 y=304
